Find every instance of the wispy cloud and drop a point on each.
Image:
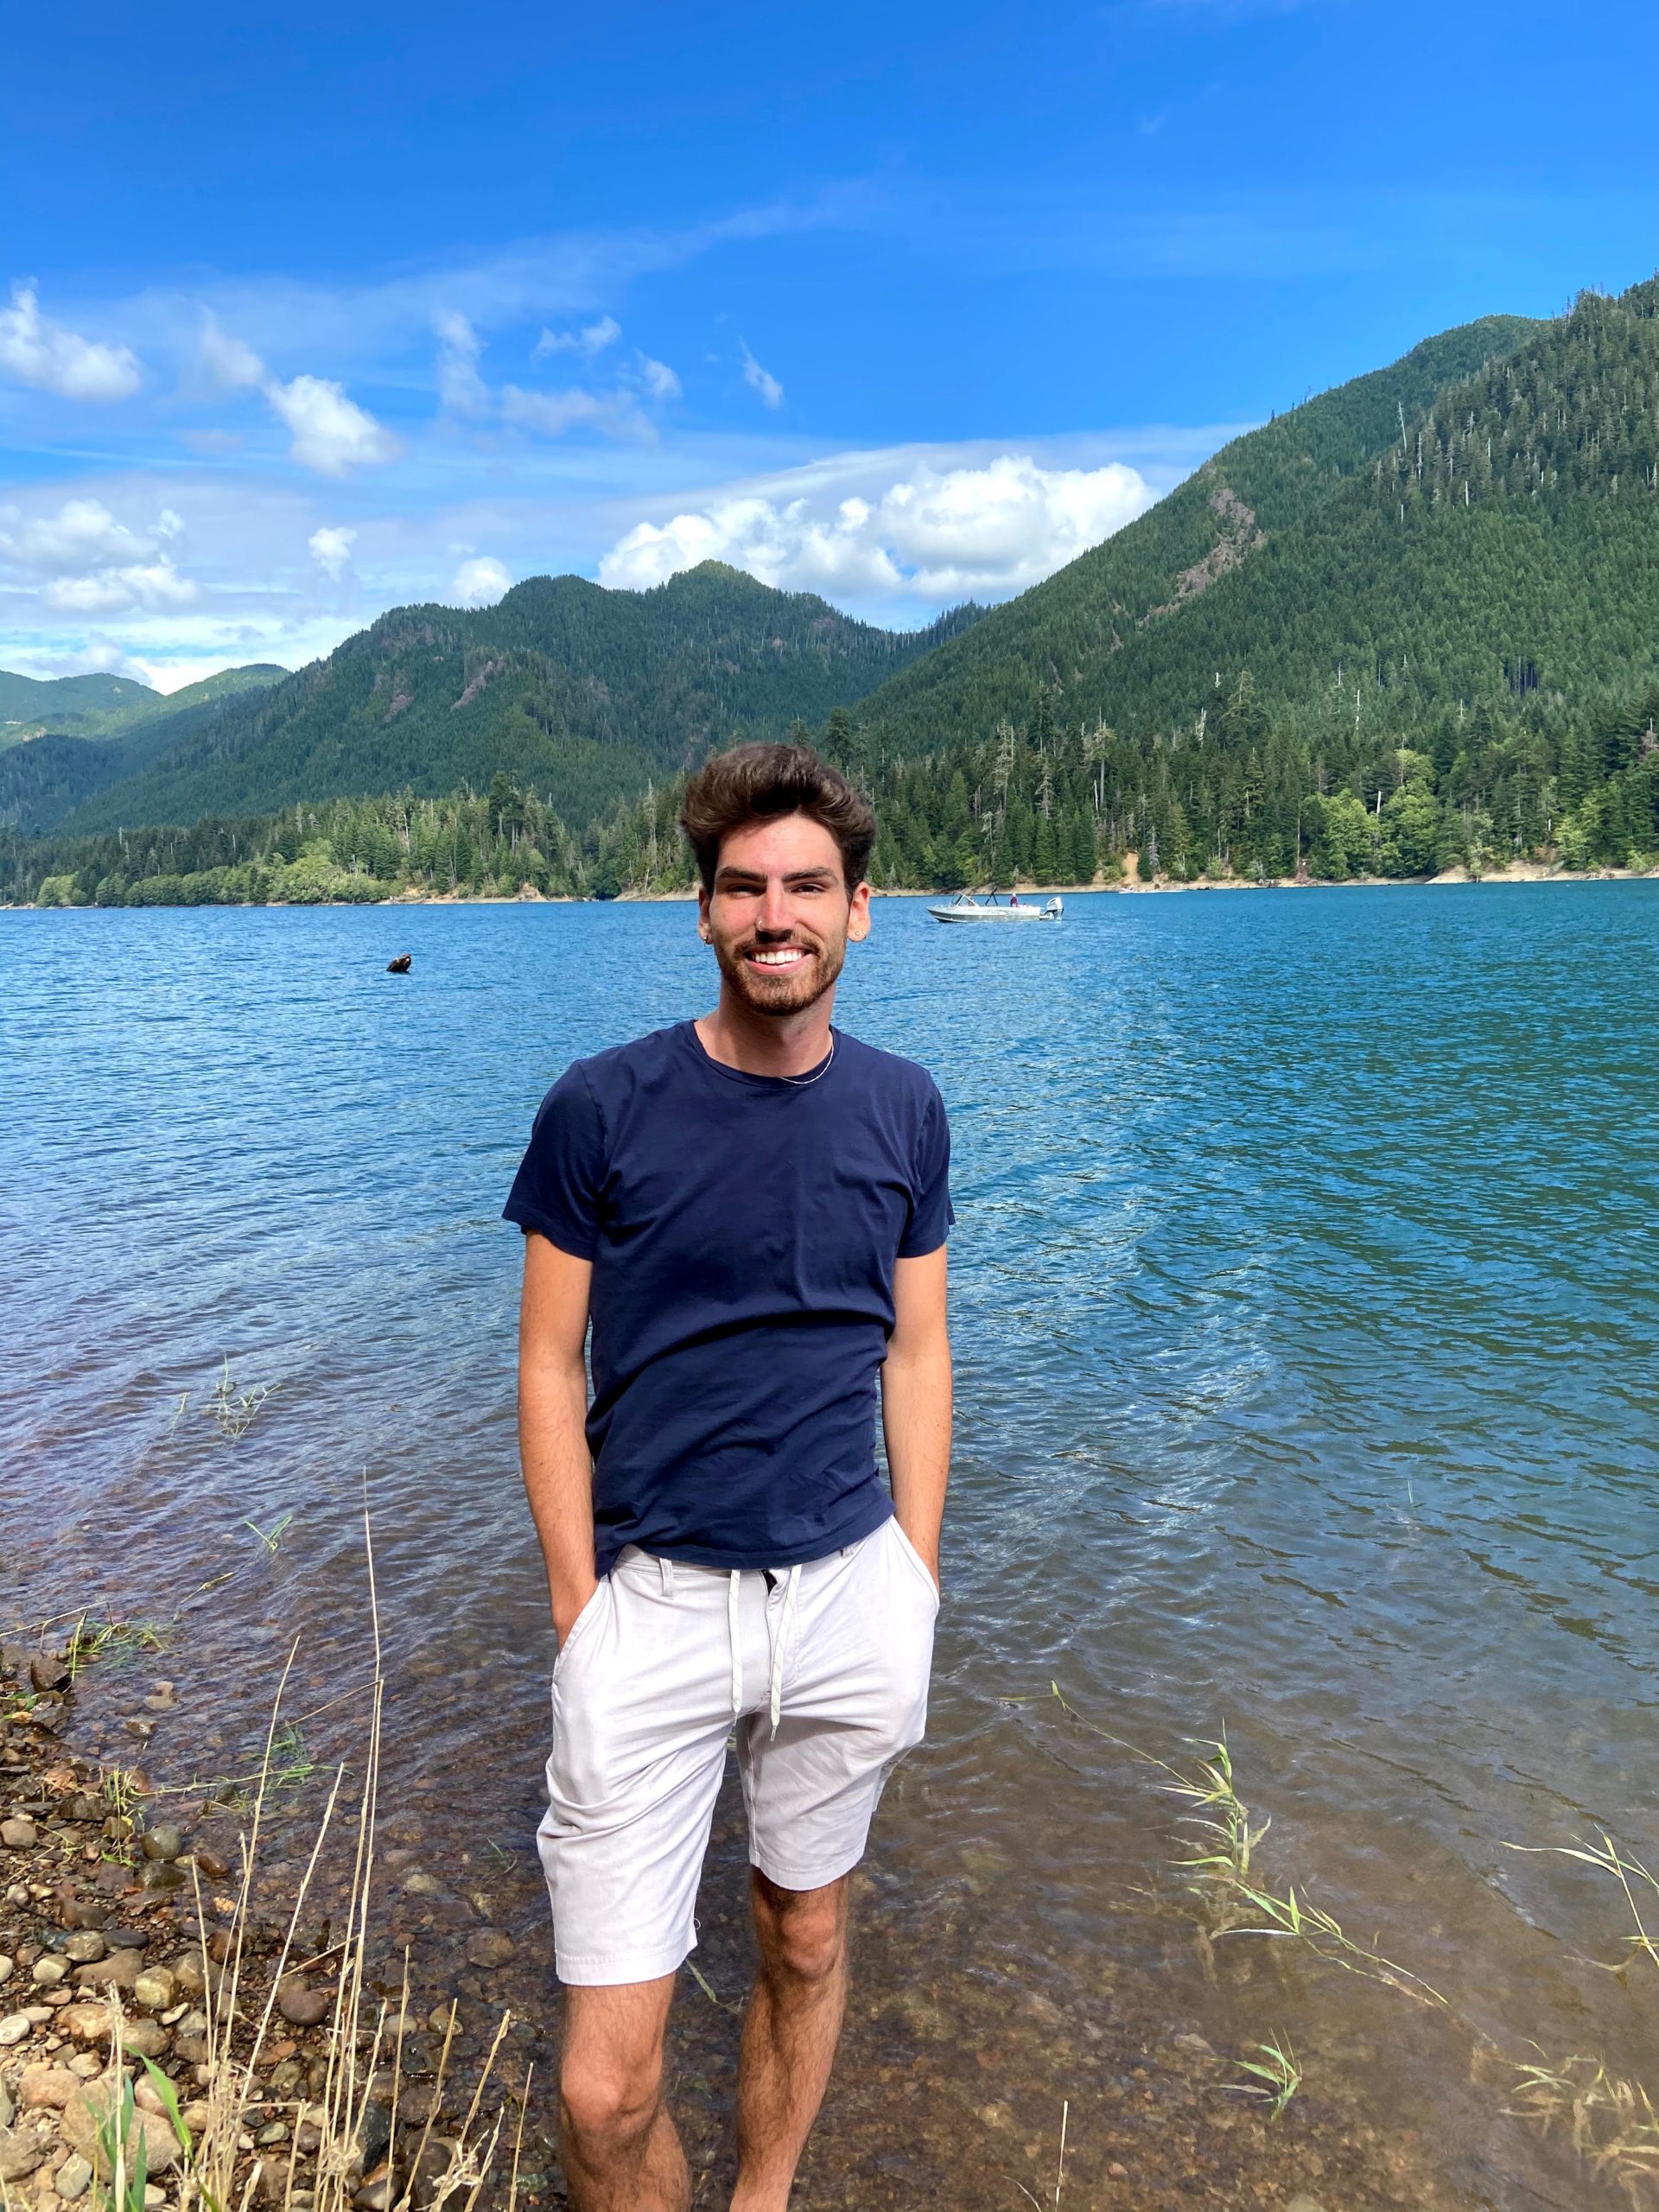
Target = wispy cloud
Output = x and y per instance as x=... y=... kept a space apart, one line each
x=42 y=353
x=461 y=389
x=761 y=380
x=615 y=414
x=592 y=340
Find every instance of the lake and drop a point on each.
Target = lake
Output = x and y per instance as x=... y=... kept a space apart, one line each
x=1305 y=1308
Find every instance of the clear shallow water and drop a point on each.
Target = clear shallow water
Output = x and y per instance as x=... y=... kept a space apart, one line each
x=1304 y=1308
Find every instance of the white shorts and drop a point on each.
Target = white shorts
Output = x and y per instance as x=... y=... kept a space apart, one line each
x=820 y=1670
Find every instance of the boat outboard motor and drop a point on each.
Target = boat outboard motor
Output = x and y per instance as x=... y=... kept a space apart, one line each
x=1054 y=908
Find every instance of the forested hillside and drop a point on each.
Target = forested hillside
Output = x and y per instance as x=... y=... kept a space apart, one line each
x=1114 y=630
x=584 y=693
x=42 y=779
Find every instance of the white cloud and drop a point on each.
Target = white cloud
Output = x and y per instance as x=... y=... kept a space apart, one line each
x=113 y=591
x=331 y=549
x=460 y=388
x=588 y=342
x=762 y=380
x=553 y=413
x=41 y=353
x=230 y=363
x=479 y=583
x=82 y=534
x=933 y=534
x=659 y=379
x=331 y=433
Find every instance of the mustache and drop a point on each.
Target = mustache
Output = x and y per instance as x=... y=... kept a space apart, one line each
x=795 y=944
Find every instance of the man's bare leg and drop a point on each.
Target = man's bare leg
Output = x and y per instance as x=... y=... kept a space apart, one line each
x=619 y=2149
x=789 y=2035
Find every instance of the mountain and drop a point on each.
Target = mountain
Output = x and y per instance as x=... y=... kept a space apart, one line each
x=1134 y=629
x=586 y=694
x=101 y=706
x=30 y=704
x=43 y=776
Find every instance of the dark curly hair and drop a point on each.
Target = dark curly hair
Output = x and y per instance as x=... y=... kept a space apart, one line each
x=761 y=783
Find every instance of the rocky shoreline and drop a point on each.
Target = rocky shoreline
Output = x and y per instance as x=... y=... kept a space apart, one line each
x=151 y=2017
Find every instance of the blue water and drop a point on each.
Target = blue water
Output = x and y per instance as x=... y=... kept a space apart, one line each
x=1305 y=1310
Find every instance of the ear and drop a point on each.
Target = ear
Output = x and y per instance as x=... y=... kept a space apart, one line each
x=858 y=918
x=704 y=930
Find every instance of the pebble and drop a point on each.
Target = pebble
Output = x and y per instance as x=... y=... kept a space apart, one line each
x=87 y=2022
x=13 y=2028
x=215 y=1868
x=84 y=1947
x=119 y=1970
x=19 y=1833
x=46 y=2088
x=162 y=1698
x=90 y=2108
x=155 y=1989
x=72 y=2177
x=489 y=1947
x=17 y=1894
x=1303 y=2202
x=19 y=2153
x=302 y=2008
x=145 y=2038
x=50 y=1971
x=421 y=1884
x=6 y=1967
x=48 y=1672
x=162 y=1842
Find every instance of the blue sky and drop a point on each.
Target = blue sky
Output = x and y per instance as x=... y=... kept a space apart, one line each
x=307 y=312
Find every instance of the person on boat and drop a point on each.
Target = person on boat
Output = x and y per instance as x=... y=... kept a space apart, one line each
x=1014 y=897
x=751 y=1209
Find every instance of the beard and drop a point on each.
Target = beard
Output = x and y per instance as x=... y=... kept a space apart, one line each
x=786 y=991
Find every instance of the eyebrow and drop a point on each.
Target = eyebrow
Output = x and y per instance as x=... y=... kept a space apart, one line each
x=736 y=877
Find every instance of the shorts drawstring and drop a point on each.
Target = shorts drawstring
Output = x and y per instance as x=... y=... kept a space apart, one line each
x=734 y=1631
x=780 y=1642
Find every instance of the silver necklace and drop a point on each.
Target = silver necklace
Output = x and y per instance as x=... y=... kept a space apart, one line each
x=819 y=1073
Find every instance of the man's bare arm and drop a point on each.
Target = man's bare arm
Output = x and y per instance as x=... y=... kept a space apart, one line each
x=916 y=1401
x=552 y=1411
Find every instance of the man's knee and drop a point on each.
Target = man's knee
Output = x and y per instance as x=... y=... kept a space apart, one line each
x=803 y=1934
x=605 y=2101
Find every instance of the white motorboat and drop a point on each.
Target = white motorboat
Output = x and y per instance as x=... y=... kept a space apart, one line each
x=966 y=907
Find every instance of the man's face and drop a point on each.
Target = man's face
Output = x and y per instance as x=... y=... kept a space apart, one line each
x=780 y=915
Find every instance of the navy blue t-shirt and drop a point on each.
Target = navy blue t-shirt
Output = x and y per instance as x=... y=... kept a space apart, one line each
x=743 y=1230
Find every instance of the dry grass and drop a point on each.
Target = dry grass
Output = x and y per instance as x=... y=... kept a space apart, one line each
x=364 y=2047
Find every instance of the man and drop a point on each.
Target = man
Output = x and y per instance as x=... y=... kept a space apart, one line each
x=752 y=1209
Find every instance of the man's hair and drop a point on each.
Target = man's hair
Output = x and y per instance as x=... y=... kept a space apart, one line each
x=761 y=783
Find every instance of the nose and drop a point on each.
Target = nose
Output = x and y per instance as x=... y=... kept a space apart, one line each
x=776 y=917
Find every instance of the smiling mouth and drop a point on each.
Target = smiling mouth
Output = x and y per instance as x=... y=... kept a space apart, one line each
x=777 y=959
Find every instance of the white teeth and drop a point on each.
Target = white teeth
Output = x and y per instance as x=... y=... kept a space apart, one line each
x=785 y=957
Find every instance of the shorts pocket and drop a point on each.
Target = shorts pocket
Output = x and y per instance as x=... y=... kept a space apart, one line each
x=579 y=1626
x=918 y=1564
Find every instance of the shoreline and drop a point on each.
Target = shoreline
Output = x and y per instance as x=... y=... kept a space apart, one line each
x=1129 y=885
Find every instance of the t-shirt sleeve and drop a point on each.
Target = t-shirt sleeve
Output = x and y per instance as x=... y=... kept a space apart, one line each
x=930 y=1211
x=558 y=1189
